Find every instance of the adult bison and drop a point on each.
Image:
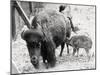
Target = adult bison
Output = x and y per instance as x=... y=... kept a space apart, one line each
x=49 y=30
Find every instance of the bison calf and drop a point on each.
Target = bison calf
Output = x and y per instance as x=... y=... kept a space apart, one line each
x=81 y=41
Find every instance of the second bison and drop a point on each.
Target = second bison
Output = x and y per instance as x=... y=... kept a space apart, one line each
x=80 y=41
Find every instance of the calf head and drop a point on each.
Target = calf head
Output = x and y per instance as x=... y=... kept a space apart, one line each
x=33 y=39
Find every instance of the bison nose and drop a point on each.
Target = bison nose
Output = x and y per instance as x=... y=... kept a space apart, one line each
x=34 y=60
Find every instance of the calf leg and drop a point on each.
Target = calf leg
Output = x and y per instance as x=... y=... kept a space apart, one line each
x=67 y=49
x=87 y=51
x=77 y=52
x=62 y=47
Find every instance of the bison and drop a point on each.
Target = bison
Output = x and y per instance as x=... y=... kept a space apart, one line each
x=80 y=41
x=68 y=34
x=49 y=29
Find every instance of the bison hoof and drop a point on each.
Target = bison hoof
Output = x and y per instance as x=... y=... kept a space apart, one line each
x=46 y=65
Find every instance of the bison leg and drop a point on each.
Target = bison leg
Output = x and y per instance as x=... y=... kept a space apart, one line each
x=44 y=60
x=62 y=47
x=67 y=40
x=74 y=51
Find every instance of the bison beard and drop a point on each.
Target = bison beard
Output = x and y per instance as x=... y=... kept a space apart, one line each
x=48 y=53
x=54 y=28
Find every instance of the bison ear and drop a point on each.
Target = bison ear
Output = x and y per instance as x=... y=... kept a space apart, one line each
x=25 y=35
x=22 y=35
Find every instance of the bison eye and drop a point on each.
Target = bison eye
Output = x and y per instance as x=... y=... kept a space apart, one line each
x=36 y=44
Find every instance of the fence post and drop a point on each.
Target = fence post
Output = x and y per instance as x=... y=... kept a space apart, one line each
x=22 y=14
x=13 y=26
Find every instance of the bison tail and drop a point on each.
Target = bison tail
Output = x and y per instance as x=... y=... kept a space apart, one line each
x=62 y=8
x=74 y=29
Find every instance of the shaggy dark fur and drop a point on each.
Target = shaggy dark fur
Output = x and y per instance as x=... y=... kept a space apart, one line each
x=54 y=29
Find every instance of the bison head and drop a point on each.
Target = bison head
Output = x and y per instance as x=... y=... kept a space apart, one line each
x=33 y=39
